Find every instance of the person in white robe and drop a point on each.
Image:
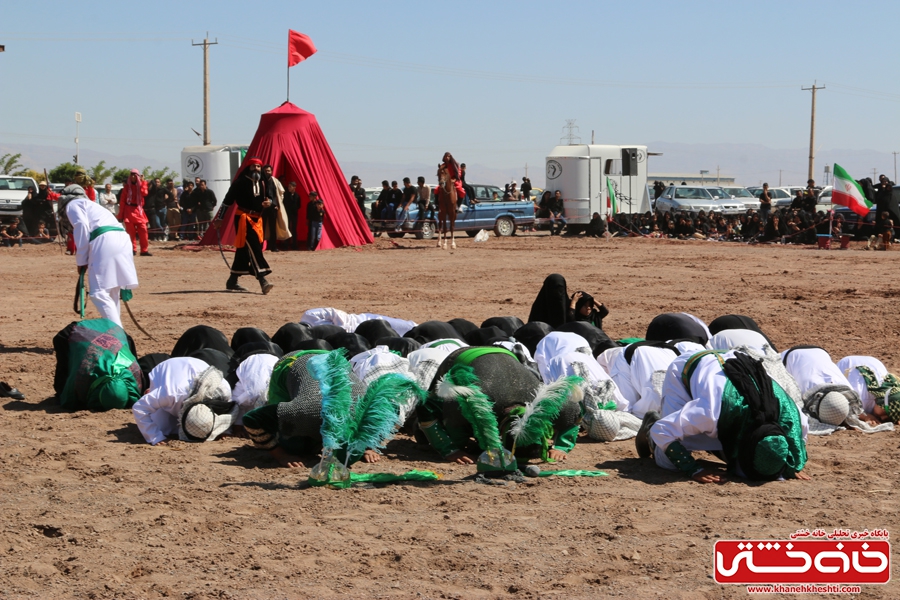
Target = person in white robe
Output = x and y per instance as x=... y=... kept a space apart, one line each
x=690 y=422
x=103 y=249
x=171 y=382
x=728 y=339
x=849 y=367
x=252 y=387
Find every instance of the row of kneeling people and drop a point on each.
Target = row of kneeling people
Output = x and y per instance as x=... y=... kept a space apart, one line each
x=520 y=389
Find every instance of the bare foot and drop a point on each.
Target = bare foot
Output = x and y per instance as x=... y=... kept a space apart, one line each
x=162 y=443
x=557 y=455
x=370 y=456
x=285 y=459
x=707 y=476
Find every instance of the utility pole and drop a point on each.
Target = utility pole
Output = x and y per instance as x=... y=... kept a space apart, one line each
x=874 y=174
x=812 y=130
x=895 y=164
x=206 y=44
x=717 y=175
x=77 y=122
x=779 y=177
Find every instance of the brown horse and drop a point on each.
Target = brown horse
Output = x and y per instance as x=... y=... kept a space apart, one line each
x=446 y=207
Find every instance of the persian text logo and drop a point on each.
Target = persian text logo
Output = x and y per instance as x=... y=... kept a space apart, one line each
x=802 y=561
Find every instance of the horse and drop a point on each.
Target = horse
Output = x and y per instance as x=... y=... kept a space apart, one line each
x=446 y=207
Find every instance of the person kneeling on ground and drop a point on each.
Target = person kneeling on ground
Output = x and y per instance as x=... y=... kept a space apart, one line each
x=487 y=393
x=725 y=403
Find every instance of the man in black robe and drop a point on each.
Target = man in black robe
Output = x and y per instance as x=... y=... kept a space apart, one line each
x=249 y=193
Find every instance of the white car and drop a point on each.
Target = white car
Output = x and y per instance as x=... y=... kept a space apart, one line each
x=780 y=198
x=823 y=202
x=736 y=193
x=693 y=199
x=12 y=191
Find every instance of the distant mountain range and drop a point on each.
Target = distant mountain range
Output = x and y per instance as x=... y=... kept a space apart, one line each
x=749 y=164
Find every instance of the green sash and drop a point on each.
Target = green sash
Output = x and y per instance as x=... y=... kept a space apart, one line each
x=101 y=230
x=468 y=356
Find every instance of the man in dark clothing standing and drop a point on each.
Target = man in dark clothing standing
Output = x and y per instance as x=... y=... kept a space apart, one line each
x=270 y=215
x=526 y=189
x=248 y=192
x=292 y=206
x=188 y=203
x=409 y=196
x=155 y=204
x=315 y=214
x=206 y=204
x=359 y=193
x=384 y=198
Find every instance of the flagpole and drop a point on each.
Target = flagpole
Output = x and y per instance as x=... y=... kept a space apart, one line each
x=288 y=81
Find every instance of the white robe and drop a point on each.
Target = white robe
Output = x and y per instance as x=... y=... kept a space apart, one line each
x=558 y=343
x=692 y=418
x=109 y=257
x=812 y=367
x=847 y=366
x=251 y=389
x=156 y=413
x=425 y=362
x=639 y=381
x=349 y=322
x=729 y=339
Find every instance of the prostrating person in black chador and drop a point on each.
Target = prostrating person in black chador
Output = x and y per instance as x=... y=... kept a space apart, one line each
x=249 y=193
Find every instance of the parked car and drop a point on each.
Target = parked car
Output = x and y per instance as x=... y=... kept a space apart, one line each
x=503 y=217
x=12 y=191
x=693 y=199
x=780 y=198
x=823 y=201
x=741 y=194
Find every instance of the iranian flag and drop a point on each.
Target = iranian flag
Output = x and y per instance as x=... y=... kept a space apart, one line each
x=849 y=193
x=612 y=203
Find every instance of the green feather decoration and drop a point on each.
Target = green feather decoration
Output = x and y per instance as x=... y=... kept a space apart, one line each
x=376 y=414
x=476 y=407
x=532 y=426
x=332 y=372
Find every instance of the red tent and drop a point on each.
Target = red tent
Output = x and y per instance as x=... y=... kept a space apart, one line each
x=290 y=139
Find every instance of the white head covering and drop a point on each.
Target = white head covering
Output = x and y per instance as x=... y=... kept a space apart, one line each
x=732 y=338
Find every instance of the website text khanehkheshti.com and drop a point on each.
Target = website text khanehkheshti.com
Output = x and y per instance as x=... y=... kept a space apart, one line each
x=804 y=588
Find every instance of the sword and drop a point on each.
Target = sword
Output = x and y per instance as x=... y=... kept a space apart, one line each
x=136 y=324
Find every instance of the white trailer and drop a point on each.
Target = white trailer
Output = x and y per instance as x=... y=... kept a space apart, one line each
x=216 y=164
x=581 y=173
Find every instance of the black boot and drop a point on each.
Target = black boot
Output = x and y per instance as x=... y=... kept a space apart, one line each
x=642 y=442
x=233 y=285
x=264 y=285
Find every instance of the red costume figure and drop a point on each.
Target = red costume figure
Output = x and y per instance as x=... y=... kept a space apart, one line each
x=131 y=211
x=453 y=169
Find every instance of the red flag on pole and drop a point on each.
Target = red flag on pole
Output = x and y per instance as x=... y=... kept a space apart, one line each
x=300 y=47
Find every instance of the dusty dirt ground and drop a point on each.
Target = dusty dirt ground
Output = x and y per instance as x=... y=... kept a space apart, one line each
x=88 y=510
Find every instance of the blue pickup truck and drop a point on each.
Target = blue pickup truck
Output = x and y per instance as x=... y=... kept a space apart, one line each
x=503 y=217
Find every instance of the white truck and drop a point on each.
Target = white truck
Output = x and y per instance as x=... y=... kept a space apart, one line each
x=581 y=173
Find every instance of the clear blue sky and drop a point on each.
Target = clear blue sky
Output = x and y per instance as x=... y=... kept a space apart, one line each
x=491 y=81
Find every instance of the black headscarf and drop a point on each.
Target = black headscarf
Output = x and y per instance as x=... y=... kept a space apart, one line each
x=352 y=342
x=486 y=336
x=375 y=329
x=433 y=330
x=147 y=363
x=507 y=324
x=291 y=334
x=247 y=335
x=675 y=326
x=244 y=352
x=531 y=334
x=598 y=340
x=213 y=358
x=323 y=332
x=314 y=344
x=399 y=344
x=551 y=303
x=199 y=337
x=462 y=326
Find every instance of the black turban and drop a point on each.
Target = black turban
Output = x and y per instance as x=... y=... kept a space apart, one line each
x=675 y=326
x=323 y=332
x=213 y=358
x=462 y=326
x=507 y=324
x=199 y=337
x=314 y=344
x=486 y=336
x=247 y=335
x=433 y=330
x=353 y=343
x=375 y=329
x=291 y=334
x=530 y=334
x=399 y=344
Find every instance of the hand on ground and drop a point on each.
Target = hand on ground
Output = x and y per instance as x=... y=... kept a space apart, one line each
x=370 y=456
x=286 y=459
x=460 y=458
x=802 y=476
x=707 y=476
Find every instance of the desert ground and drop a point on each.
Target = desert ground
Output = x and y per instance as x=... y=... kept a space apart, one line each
x=88 y=510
